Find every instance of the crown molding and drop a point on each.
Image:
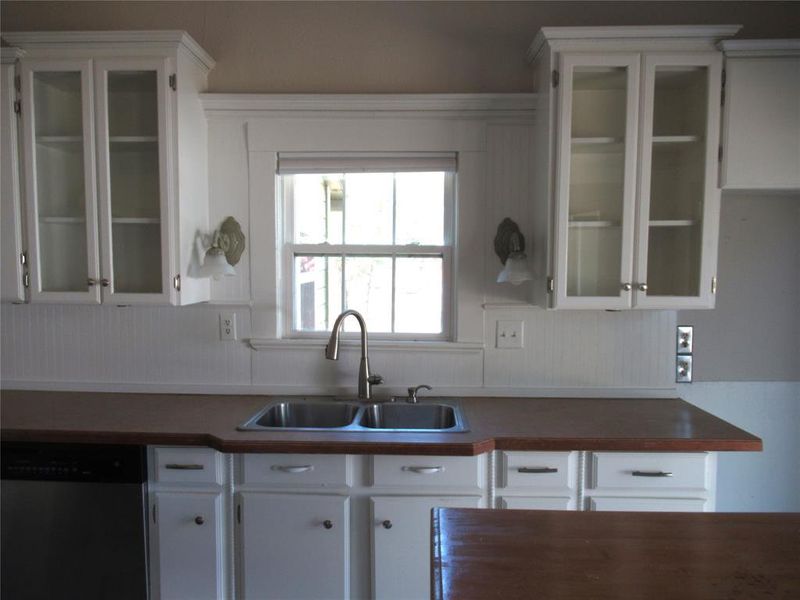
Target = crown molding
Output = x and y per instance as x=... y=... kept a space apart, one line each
x=754 y=48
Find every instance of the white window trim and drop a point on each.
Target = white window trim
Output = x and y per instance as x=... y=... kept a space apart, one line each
x=289 y=250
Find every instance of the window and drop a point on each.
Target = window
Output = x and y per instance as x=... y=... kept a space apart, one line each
x=371 y=233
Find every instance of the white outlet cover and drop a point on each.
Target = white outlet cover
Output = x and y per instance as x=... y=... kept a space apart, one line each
x=510 y=334
x=227 y=326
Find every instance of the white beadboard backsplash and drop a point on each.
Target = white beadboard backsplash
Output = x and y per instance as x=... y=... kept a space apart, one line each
x=99 y=347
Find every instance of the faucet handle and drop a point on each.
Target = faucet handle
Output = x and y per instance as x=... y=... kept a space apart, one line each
x=375 y=379
x=412 y=392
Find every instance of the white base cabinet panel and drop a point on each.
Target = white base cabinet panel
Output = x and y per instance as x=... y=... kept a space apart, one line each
x=401 y=560
x=187 y=548
x=648 y=504
x=293 y=546
x=536 y=503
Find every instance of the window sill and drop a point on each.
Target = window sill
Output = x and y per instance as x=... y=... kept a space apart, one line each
x=399 y=345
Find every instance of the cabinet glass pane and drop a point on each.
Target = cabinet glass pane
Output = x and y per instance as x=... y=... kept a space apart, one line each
x=596 y=184
x=134 y=181
x=677 y=181
x=60 y=187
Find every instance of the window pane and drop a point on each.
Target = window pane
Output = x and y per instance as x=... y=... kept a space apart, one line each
x=318 y=292
x=318 y=208
x=368 y=289
x=418 y=284
x=369 y=207
x=420 y=208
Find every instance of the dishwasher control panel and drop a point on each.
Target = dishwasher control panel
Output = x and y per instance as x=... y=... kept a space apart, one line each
x=73 y=462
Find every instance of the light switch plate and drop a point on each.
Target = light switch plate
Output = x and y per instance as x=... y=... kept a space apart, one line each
x=683 y=369
x=685 y=340
x=227 y=326
x=510 y=334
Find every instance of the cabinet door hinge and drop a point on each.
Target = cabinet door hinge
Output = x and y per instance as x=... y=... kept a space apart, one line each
x=551 y=286
x=176 y=282
x=555 y=78
x=26 y=279
x=17 y=107
x=713 y=285
x=23 y=258
x=173 y=81
x=719 y=154
x=239 y=513
x=17 y=83
x=154 y=512
x=722 y=94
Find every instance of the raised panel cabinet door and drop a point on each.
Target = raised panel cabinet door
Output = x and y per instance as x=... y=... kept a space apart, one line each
x=133 y=191
x=648 y=504
x=61 y=204
x=598 y=103
x=188 y=546
x=678 y=219
x=401 y=543
x=11 y=270
x=293 y=546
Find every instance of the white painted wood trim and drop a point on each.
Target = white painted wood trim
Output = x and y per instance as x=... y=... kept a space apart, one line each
x=400 y=345
x=143 y=40
x=254 y=104
x=756 y=48
x=567 y=63
x=10 y=55
x=625 y=32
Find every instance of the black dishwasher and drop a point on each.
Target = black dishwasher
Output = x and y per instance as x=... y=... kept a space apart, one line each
x=73 y=522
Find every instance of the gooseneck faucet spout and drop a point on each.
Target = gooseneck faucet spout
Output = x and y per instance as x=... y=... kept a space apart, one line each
x=365 y=380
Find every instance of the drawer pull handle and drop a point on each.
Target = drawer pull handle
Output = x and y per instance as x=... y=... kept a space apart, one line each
x=184 y=467
x=537 y=470
x=293 y=468
x=424 y=470
x=651 y=474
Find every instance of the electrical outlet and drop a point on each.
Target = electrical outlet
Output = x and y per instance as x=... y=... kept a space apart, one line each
x=510 y=334
x=683 y=368
x=685 y=343
x=227 y=326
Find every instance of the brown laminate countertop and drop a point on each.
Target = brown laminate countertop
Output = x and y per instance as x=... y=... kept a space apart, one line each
x=495 y=423
x=613 y=556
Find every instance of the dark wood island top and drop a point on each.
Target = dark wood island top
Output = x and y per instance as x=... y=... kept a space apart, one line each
x=623 y=424
x=560 y=555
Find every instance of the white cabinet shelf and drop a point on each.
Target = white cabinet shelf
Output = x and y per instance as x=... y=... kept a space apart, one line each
x=110 y=139
x=626 y=208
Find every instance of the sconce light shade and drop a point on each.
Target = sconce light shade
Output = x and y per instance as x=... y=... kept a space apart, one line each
x=509 y=244
x=225 y=251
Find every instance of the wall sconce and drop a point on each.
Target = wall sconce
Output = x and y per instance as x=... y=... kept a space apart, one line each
x=225 y=250
x=509 y=244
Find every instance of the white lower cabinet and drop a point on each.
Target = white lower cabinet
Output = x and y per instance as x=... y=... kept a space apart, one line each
x=537 y=480
x=293 y=546
x=648 y=504
x=401 y=526
x=187 y=553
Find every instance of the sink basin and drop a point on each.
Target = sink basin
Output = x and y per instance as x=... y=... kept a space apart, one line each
x=409 y=416
x=328 y=414
x=304 y=415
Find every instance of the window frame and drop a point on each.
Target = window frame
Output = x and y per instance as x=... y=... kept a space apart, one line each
x=290 y=250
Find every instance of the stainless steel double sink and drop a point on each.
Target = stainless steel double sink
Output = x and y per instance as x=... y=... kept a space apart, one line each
x=328 y=414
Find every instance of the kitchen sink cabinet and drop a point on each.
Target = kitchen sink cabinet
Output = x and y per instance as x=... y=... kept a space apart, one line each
x=113 y=136
x=626 y=207
x=761 y=115
x=292 y=546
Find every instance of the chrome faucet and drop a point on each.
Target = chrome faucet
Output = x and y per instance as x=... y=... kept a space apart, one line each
x=365 y=380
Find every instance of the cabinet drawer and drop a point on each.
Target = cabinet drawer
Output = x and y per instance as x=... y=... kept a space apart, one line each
x=537 y=470
x=188 y=465
x=543 y=503
x=303 y=470
x=648 y=504
x=611 y=470
x=427 y=471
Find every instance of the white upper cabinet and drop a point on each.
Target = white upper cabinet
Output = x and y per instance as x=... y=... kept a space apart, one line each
x=761 y=115
x=13 y=270
x=114 y=152
x=626 y=206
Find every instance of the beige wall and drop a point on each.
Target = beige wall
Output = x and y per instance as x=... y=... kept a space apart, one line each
x=374 y=47
x=754 y=332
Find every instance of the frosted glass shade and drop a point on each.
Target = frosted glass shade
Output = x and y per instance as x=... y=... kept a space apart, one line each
x=516 y=269
x=216 y=265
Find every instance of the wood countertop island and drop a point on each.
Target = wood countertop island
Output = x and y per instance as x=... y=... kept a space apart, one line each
x=594 y=424
x=557 y=555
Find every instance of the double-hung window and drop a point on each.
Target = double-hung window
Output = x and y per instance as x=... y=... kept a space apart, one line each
x=371 y=232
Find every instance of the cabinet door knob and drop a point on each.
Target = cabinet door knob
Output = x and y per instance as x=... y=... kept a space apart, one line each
x=627 y=287
x=105 y=282
x=199 y=520
x=91 y=281
x=327 y=524
x=387 y=524
x=642 y=287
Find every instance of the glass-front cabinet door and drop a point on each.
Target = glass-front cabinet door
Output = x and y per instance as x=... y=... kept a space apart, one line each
x=678 y=218
x=132 y=179
x=59 y=158
x=595 y=181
